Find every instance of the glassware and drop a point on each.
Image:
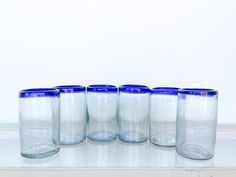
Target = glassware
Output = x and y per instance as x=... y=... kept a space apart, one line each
x=102 y=112
x=73 y=114
x=163 y=110
x=39 y=122
x=133 y=113
x=196 y=123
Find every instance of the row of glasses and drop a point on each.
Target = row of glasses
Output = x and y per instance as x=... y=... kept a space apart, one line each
x=67 y=114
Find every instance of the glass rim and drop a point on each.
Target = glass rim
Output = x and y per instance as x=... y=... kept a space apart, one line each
x=39 y=92
x=102 y=88
x=198 y=91
x=70 y=88
x=165 y=90
x=134 y=88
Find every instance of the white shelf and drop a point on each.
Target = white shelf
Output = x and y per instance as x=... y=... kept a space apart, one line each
x=117 y=159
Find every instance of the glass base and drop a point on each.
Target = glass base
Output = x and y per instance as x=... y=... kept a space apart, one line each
x=193 y=151
x=72 y=140
x=102 y=136
x=163 y=139
x=132 y=137
x=41 y=151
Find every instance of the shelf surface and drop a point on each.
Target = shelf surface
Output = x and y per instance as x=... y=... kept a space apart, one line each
x=117 y=156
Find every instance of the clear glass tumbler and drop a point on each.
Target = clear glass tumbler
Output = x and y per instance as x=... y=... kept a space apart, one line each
x=196 y=123
x=133 y=113
x=163 y=110
x=39 y=122
x=102 y=112
x=73 y=114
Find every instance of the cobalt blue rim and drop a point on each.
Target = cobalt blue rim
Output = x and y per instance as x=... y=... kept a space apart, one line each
x=102 y=88
x=134 y=89
x=165 y=90
x=199 y=91
x=39 y=92
x=70 y=88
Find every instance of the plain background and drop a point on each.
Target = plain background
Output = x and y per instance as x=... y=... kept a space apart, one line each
x=184 y=43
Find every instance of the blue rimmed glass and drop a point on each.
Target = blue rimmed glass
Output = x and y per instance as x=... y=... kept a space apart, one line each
x=73 y=114
x=133 y=113
x=39 y=122
x=196 y=123
x=163 y=110
x=102 y=112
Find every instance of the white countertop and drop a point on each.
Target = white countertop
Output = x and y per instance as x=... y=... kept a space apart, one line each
x=117 y=156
